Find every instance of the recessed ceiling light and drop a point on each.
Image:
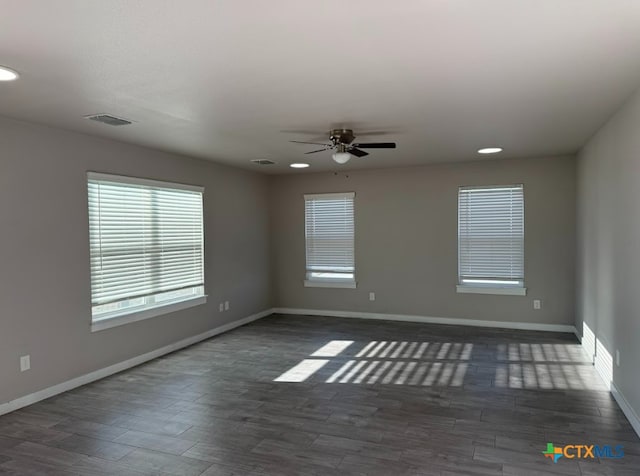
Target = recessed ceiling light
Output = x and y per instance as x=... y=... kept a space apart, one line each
x=490 y=150
x=299 y=166
x=7 y=74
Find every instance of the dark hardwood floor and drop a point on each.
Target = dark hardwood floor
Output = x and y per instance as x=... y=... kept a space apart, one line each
x=303 y=395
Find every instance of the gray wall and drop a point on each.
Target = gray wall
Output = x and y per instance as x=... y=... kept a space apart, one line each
x=45 y=308
x=609 y=245
x=405 y=247
x=406 y=240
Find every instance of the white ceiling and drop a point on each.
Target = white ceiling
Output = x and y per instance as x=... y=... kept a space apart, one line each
x=224 y=80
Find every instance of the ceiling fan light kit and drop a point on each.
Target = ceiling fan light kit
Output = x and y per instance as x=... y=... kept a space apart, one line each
x=341 y=157
x=343 y=146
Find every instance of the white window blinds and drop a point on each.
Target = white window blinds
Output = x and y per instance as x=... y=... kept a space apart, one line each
x=146 y=241
x=491 y=235
x=329 y=233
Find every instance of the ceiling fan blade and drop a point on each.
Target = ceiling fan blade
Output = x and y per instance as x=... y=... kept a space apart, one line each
x=357 y=152
x=313 y=143
x=319 y=150
x=376 y=145
x=373 y=133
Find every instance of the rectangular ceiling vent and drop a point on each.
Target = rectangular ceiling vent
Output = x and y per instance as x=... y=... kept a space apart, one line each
x=109 y=120
x=263 y=162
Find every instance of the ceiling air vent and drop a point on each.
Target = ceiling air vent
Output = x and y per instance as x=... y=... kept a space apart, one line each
x=109 y=120
x=263 y=162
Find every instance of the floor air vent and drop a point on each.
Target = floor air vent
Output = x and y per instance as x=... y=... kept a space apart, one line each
x=109 y=120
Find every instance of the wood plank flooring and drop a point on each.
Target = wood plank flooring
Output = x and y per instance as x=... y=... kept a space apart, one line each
x=298 y=395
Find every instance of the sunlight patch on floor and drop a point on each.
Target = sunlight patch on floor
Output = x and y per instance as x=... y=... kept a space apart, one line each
x=333 y=348
x=302 y=371
x=386 y=362
x=515 y=365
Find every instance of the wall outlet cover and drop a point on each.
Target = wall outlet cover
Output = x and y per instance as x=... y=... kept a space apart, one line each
x=25 y=363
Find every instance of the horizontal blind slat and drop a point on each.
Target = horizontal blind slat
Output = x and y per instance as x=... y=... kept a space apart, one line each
x=491 y=233
x=144 y=240
x=329 y=233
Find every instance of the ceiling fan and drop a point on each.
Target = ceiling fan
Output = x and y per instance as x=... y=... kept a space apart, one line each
x=341 y=142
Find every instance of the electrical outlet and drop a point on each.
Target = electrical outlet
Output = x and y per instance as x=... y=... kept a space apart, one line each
x=226 y=305
x=25 y=363
x=617 y=358
x=221 y=307
x=372 y=296
x=537 y=303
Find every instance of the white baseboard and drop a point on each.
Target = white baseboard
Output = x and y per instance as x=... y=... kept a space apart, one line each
x=578 y=336
x=127 y=364
x=430 y=320
x=624 y=405
x=626 y=408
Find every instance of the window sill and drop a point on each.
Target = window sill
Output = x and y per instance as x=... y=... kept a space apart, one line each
x=507 y=291
x=330 y=283
x=148 y=313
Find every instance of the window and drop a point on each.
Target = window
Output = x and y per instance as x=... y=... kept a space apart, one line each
x=329 y=240
x=146 y=242
x=491 y=239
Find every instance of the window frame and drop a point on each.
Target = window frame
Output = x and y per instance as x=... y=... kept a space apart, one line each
x=311 y=281
x=153 y=304
x=496 y=286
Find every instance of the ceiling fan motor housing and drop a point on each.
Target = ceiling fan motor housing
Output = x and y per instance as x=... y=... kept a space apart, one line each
x=342 y=136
